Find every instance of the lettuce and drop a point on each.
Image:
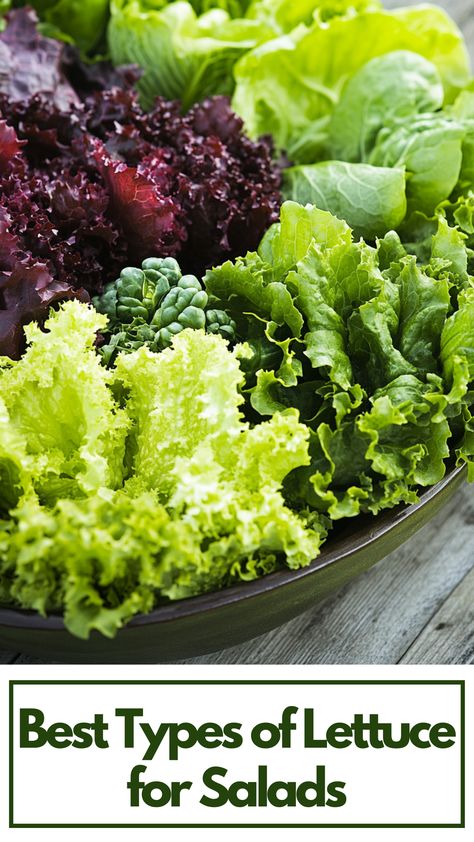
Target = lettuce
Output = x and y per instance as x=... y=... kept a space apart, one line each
x=457 y=339
x=391 y=87
x=59 y=409
x=382 y=366
x=183 y=471
x=188 y=49
x=83 y=21
x=290 y=85
x=285 y=15
x=112 y=506
x=184 y=55
x=430 y=148
x=219 y=475
x=372 y=200
x=401 y=156
x=103 y=561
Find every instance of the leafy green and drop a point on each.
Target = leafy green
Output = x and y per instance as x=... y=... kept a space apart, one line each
x=290 y=85
x=327 y=374
x=370 y=199
x=100 y=526
x=188 y=49
x=184 y=55
x=388 y=122
x=84 y=21
x=285 y=15
x=61 y=411
x=151 y=305
x=463 y=113
x=381 y=365
x=389 y=88
x=288 y=241
x=457 y=339
x=182 y=471
x=430 y=148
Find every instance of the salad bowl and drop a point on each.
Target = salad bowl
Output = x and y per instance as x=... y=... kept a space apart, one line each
x=217 y=620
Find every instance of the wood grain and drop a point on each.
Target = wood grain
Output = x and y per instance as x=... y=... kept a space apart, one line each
x=449 y=636
x=377 y=617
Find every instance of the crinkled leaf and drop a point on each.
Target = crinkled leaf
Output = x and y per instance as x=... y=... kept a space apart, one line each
x=61 y=408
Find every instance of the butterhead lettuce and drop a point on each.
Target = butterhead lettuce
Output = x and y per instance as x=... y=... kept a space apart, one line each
x=290 y=85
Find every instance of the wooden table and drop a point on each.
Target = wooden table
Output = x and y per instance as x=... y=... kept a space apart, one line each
x=414 y=607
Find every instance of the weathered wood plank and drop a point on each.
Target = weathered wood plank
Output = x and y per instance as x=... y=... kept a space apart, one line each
x=449 y=636
x=376 y=618
x=7 y=657
x=25 y=659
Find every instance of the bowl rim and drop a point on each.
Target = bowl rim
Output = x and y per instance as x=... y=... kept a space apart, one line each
x=335 y=551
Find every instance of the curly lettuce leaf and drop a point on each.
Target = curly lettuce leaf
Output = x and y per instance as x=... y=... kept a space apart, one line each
x=204 y=404
x=203 y=505
x=246 y=288
x=61 y=409
x=206 y=412
x=385 y=364
x=209 y=467
x=381 y=457
x=102 y=561
x=288 y=240
x=330 y=283
x=457 y=338
x=99 y=560
x=16 y=465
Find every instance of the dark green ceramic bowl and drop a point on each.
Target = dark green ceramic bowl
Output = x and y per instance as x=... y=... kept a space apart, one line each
x=213 y=621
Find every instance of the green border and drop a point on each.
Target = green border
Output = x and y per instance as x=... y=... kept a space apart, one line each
x=460 y=683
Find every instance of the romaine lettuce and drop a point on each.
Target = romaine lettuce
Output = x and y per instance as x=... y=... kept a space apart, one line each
x=184 y=55
x=385 y=366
